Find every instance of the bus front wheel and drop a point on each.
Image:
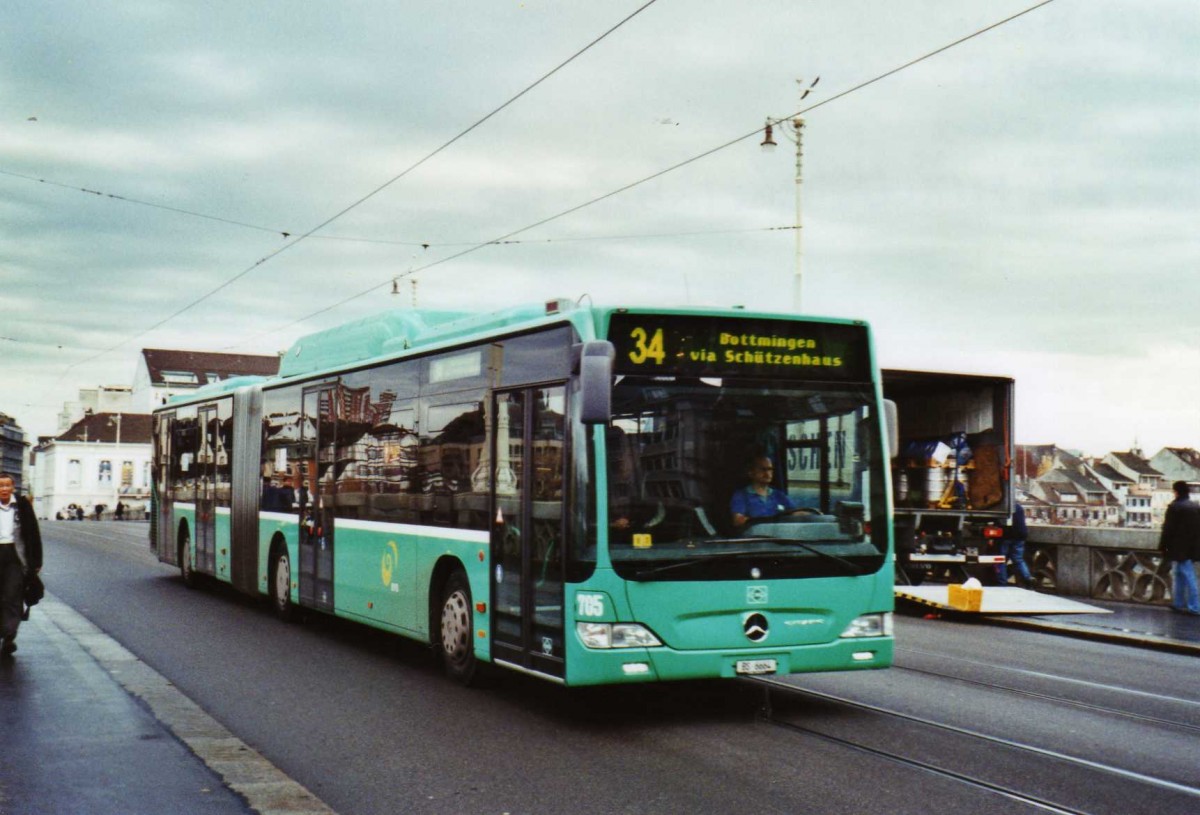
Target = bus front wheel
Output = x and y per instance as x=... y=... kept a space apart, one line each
x=458 y=650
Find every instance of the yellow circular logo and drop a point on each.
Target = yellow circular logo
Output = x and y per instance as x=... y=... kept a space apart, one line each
x=387 y=566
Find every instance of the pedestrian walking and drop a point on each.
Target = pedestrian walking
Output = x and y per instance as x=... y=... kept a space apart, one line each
x=1012 y=545
x=1180 y=541
x=120 y=511
x=20 y=559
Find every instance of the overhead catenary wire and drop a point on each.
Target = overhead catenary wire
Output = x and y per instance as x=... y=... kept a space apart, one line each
x=139 y=202
x=686 y=162
x=393 y=241
x=368 y=196
x=396 y=242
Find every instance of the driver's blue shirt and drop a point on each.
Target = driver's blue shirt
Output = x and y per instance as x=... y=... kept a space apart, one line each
x=748 y=502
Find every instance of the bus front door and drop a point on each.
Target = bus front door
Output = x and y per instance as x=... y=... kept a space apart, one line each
x=528 y=452
x=206 y=490
x=317 y=449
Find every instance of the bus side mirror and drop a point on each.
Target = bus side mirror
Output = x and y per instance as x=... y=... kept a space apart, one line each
x=892 y=427
x=595 y=381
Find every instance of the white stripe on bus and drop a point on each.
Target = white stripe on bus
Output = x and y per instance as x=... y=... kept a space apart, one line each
x=467 y=535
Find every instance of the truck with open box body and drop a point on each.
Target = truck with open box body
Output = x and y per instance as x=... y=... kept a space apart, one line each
x=952 y=475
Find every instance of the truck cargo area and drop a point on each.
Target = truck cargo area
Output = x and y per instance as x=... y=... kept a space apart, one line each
x=952 y=475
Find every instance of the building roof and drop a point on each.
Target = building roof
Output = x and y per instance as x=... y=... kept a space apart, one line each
x=1136 y=463
x=1111 y=473
x=1055 y=495
x=183 y=369
x=1084 y=483
x=1068 y=460
x=102 y=427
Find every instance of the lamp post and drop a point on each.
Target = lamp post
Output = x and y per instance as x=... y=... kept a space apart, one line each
x=794 y=131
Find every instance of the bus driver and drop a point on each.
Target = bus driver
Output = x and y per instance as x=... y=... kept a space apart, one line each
x=759 y=499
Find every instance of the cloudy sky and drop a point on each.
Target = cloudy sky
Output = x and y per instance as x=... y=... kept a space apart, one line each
x=1025 y=203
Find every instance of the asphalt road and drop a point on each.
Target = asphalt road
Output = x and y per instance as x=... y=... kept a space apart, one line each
x=974 y=719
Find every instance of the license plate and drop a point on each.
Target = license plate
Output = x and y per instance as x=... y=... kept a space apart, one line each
x=752 y=667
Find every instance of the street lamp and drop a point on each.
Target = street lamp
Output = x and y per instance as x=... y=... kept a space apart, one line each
x=795 y=133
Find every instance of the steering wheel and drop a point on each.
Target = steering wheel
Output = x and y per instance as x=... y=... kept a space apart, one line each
x=781 y=516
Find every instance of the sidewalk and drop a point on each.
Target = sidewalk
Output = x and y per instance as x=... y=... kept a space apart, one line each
x=76 y=742
x=1135 y=624
x=88 y=728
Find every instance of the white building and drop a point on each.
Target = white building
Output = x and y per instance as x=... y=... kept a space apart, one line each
x=104 y=458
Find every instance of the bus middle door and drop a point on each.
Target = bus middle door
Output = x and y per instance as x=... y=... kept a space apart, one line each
x=317 y=452
x=206 y=490
x=528 y=432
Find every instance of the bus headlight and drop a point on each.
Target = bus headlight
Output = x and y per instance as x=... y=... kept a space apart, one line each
x=616 y=635
x=870 y=625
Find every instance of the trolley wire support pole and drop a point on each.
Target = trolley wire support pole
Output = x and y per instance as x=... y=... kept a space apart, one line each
x=795 y=133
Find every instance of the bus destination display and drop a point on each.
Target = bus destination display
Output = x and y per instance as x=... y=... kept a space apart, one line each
x=728 y=346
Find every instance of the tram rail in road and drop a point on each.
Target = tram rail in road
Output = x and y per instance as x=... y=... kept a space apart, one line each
x=1185 y=795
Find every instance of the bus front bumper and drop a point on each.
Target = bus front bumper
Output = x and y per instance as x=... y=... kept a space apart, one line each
x=595 y=667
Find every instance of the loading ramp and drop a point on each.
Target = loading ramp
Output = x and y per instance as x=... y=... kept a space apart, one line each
x=995 y=600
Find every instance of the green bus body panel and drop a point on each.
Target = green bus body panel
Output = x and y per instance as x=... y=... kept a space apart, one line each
x=800 y=612
x=271 y=524
x=391 y=333
x=185 y=515
x=382 y=572
x=221 y=542
x=212 y=391
x=701 y=626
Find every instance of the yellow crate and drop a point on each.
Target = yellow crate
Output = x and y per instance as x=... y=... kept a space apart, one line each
x=965 y=598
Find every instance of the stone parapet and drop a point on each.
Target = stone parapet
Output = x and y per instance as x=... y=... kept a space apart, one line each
x=1101 y=563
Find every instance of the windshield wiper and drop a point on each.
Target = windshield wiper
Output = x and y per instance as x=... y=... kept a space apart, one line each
x=694 y=560
x=808 y=547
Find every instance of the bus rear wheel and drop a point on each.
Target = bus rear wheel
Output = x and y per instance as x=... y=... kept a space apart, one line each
x=457 y=624
x=186 y=571
x=281 y=587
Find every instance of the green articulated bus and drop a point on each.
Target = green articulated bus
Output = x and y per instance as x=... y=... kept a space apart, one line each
x=560 y=490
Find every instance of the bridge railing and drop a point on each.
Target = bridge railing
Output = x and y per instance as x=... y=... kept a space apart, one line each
x=1104 y=564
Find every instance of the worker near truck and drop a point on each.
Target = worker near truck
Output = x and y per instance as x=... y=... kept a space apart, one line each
x=1180 y=541
x=1012 y=545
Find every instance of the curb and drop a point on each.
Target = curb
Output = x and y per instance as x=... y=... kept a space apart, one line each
x=1137 y=639
x=265 y=788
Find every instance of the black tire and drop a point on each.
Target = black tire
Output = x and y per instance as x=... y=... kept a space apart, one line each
x=456 y=625
x=186 y=571
x=281 y=586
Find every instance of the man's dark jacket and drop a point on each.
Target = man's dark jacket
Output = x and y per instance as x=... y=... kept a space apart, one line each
x=1181 y=530
x=31 y=536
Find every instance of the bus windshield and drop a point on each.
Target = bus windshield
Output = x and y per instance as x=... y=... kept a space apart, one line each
x=706 y=475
